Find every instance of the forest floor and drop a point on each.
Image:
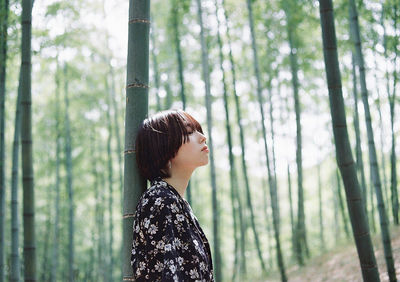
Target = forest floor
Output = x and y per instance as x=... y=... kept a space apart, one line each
x=342 y=264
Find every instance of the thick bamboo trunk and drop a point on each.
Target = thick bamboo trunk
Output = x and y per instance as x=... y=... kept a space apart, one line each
x=4 y=4
x=137 y=80
x=343 y=150
x=206 y=79
x=374 y=168
x=26 y=142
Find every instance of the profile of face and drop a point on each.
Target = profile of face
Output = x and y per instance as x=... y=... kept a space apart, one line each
x=170 y=142
x=193 y=153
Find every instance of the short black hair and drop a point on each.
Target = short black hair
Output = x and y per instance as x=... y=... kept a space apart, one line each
x=158 y=140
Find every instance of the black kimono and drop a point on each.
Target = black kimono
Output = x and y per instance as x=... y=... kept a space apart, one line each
x=168 y=242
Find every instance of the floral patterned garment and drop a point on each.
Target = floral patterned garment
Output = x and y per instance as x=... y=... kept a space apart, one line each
x=168 y=242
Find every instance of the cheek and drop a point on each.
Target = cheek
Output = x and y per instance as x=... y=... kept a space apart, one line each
x=185 y=153
x=181 y=152
x=185 y=149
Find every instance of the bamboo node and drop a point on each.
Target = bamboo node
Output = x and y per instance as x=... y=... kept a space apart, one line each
x=347 y=164
x=137 y=85
x=139 y=21
x=325 y=10
x=354 y=200
x=362 y=234
x=368 y=265
x=27 y=178
x=340 y=125
x=128 y=215
x=129 y=152
x=330 y=48
x=335 y=86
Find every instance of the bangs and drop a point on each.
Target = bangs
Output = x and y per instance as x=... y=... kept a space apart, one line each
x=185 y=121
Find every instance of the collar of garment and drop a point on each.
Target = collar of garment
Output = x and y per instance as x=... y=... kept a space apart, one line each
x=158 y=180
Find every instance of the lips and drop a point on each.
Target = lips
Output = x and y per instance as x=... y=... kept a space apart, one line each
x=204 y=148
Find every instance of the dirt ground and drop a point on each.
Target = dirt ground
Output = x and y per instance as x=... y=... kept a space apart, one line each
x=342 y=264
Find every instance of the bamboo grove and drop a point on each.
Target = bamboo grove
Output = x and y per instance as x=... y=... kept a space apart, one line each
x=299 y=101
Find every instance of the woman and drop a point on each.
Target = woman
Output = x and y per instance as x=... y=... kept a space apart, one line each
x=168 y=242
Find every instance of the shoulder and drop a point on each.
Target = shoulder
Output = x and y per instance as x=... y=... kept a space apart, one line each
x=158 y=197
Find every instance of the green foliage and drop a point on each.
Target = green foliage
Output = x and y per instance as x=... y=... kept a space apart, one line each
x=78 y=33
x=67 y=8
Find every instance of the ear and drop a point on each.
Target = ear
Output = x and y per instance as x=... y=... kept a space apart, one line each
x=167 y=168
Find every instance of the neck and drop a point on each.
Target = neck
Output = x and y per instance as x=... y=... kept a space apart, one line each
x=179 y=180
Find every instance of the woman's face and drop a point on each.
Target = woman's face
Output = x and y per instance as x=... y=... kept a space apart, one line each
x=191 y=154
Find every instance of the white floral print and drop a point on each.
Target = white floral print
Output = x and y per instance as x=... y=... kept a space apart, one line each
x=168 y=242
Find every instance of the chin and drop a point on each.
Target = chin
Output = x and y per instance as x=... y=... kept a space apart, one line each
x=203 y=164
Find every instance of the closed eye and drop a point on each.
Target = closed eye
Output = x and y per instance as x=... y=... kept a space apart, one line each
x=190 y=130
